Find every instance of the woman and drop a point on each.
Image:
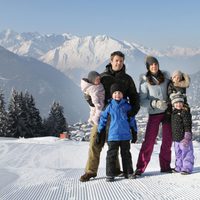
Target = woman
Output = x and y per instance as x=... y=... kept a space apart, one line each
x=153 y=96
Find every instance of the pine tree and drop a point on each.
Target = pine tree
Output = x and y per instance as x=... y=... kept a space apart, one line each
x=56 y=121
x=23 y=117
x=12 y=116
x=17 y=116
x=2 y=115
x=34 y=121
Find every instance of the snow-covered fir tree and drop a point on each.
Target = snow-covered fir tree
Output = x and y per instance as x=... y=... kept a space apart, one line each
x=23 y=119
x=34 y=121
x=2 y=115
x=56 y=122
x=12 y=114
x=16 y=120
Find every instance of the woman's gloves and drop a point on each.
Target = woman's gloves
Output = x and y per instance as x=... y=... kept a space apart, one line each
x=160 y=104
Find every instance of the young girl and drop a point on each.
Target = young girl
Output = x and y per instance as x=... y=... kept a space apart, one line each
x=92 y=87
x=181 y=121
x=119 y=134
x=179 y=83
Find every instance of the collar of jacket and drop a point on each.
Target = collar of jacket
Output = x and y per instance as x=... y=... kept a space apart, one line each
x=114 y=102
x=143 y=77
x=177 y=111
x=111 y=71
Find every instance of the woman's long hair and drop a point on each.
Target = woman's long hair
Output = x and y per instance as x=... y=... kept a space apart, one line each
x=159 y=77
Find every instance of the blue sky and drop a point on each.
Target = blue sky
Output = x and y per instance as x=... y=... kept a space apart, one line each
x=152 y=23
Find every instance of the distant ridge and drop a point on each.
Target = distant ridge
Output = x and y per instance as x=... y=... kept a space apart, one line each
x=44 y=82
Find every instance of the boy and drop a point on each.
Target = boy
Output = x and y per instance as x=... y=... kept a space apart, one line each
x=119 y=133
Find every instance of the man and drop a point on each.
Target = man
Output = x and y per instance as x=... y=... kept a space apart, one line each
x=115 y=72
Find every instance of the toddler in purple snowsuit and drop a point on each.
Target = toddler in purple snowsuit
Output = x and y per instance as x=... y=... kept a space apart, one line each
x=181 y=122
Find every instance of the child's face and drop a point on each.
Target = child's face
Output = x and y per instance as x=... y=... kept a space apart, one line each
x=117 y=63
x=97 y=80
x=178 y=105
x=176 y=79
x=117 y=95
x=153 y=68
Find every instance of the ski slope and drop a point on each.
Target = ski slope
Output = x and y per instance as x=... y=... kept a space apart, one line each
x=50 y=168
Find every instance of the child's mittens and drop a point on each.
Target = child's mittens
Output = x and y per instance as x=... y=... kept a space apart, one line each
x=134 y=136
x=187 y=138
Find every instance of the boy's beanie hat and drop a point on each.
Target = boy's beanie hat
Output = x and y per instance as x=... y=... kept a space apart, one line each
x=116 y=87
x=92 y=76
x=150 y=60
x=176 y=97
x=177 y=73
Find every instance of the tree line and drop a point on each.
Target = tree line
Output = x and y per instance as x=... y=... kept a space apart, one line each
x=22 y=118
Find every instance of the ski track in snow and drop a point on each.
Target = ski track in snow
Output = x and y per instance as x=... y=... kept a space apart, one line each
x=39 y=170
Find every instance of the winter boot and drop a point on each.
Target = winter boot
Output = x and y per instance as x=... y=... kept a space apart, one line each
x=174 y=171
x=86 y=177
x=130 y=176
x=110 y=178
x=185 y=173
x=120 y=174
x=137 y=173
x=170 y=170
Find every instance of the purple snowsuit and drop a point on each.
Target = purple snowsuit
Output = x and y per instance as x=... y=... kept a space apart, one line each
x=184 y=157
x=182 y=125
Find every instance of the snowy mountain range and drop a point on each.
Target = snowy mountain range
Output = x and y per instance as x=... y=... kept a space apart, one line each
x=75 y=56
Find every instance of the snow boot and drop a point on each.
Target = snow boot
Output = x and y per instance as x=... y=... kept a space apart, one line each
x=185 y=173
x=169 y=171
x=137 y=173
x=86 y=177
x=110 y=178
x=129 y=176
x=120 y=174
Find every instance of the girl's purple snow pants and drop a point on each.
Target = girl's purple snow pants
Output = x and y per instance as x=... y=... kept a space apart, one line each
x=184 y=157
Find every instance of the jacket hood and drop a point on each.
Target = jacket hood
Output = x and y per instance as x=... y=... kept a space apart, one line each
x=85 y=84
x=185 y=83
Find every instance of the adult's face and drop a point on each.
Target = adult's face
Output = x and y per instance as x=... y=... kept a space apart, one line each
x=153 y=68
x=117 y=63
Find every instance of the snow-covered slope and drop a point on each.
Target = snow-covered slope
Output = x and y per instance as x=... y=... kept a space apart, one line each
x=50 y=168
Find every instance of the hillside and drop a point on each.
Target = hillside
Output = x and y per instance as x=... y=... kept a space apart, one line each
x=44 y=82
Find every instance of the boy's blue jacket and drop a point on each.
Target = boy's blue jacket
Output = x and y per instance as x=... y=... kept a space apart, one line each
x=119 y=123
